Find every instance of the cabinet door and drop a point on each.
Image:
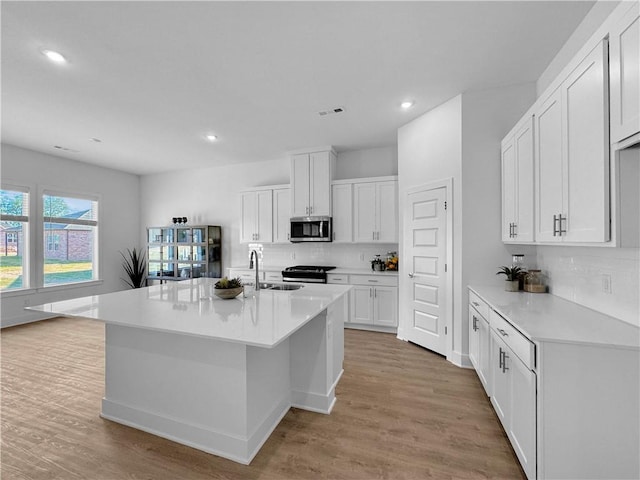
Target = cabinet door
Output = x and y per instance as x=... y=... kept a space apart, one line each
x=508 y=189
x=362 y=305
x=523 y=177
x=586 y=150
x=300 y=185
x=265 y=216
x=624 y=67
x=484 y=354
x=342 y=213
x=385 y=306
x=474 y=338
x=500 y=388
x=248 y=223
x=364 y=210
x=281 y=215
x=320 y=184
x=387 y=212
x=549 y=172
x=522 y=412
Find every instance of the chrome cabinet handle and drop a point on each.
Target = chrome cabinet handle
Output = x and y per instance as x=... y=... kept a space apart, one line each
x=555 y=221
x=515 y=230
x=475 y=304
x=560 y=229
x=500 y=358
x=370 y=292
x=504 y=334
x=372 y=281
x=375 y=293
x=475 y=326
x=411 y=275
x=504 y=361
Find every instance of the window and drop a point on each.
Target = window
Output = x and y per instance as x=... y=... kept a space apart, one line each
x=14 y=236
x=70 y=239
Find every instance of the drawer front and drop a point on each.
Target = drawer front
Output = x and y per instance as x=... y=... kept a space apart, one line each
x=337 y=278
x=479 y=304
x=521 y=345
x=273 y=276
x=373 y=280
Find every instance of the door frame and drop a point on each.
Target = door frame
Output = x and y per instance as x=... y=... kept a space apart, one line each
x=447 y=184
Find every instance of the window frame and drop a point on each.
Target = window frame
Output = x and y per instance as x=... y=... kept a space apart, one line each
x=26 y=220
x=42 y=232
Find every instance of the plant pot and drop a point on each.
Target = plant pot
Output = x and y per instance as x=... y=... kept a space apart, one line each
x=512 y=285
x=227 y=293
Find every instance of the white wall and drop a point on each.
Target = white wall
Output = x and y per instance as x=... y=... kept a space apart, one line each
x=118 y=220
x=461 y=140
x=372 y=162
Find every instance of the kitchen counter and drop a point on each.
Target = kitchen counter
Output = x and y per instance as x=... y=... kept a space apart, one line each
x=190 y=307
x=216 y=375
x=548 y=318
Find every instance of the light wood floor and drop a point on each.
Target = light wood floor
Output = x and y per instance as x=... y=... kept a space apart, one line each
x=402 y=413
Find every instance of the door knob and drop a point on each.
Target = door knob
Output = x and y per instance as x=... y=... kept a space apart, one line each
x=411 y=275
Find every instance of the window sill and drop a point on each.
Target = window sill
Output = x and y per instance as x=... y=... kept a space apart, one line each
x=51 y=288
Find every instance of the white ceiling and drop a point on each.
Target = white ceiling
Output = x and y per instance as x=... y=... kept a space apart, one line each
x=150 y=79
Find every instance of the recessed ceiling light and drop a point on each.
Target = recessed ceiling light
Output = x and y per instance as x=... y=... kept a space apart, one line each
x=406 y=104
x=211 y=137
x=54 y=56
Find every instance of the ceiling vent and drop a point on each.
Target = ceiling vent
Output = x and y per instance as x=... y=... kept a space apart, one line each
x=331 y=111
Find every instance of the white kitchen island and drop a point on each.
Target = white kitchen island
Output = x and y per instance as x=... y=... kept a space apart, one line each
x=217 y=375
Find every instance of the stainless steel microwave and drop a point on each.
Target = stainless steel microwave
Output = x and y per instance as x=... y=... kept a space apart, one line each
x=311 y=229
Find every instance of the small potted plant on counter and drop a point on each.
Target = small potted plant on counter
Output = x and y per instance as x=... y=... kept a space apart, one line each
x=226 y=289
x=513 y=277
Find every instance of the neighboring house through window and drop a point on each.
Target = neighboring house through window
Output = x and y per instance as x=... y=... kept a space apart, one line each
x=14 y=238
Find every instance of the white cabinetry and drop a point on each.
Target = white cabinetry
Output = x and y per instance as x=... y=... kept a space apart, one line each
x=342 y=201
x=479 y=344
x=624 y=68
x=517 y=183
x=374 y=300
x=257 y=216
x=572 y=156
x=375 y=207
x=311 y=175
x=514 y=395
x=281 y=214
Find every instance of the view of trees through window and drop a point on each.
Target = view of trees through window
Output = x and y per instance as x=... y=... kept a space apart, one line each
x=69 y=239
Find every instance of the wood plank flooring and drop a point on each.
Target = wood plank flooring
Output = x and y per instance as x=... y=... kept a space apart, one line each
x=402 y=413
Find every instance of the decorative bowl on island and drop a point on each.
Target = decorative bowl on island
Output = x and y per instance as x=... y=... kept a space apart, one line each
x=227 y=289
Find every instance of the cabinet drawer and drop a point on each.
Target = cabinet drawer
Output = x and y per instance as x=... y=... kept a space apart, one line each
x=521 y=345
x=479 y=304
x=273 y=276
x=373 y=280
x=337 y=278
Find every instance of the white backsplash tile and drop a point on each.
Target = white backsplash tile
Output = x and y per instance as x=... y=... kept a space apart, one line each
x=577 y=274
x=340 y=255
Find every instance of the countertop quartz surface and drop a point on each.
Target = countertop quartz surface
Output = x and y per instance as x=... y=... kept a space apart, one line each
x=191 y=308
x=543 y=317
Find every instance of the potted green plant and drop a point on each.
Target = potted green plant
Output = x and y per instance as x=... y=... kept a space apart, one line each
x=513 y=277
x=135 y=266
x=228 y=288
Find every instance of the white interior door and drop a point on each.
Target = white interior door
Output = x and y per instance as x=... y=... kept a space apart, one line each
x=425 y=242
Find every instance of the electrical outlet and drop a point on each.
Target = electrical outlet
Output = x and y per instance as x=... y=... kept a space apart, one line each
x=26 y=302
x=606 y=283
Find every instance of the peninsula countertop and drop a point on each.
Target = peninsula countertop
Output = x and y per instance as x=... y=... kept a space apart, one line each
x=190 y=307
x=545 y=317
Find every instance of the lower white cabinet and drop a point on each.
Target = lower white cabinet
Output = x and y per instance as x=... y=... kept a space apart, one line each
x=373 y=301
x=479 y=344
x=514 y=400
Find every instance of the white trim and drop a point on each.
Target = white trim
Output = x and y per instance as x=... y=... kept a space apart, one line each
x=67 y=286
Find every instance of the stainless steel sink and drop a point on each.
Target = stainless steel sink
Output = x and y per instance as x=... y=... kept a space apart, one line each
x=280 y=286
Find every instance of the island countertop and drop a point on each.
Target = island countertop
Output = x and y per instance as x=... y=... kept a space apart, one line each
x=189 y=307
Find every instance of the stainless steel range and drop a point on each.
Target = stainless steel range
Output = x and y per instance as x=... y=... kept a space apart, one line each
x=306 y=274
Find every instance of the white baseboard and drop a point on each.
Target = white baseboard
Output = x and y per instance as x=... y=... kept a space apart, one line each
x=241 y=450
x=460 y=359
x=371 y=328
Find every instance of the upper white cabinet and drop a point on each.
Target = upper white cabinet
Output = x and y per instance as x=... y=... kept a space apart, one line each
x=572 y=156
x=624 y=69
x=311 y=175
x=517 y=183
x=342 y=205
x=281 y=214
x=257 y=216
x=375 y=206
